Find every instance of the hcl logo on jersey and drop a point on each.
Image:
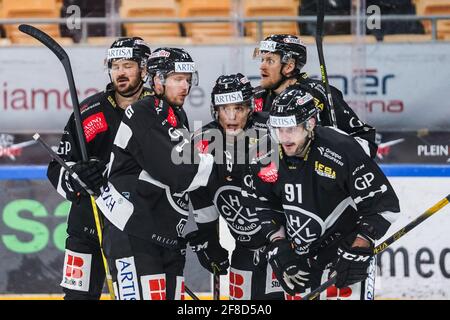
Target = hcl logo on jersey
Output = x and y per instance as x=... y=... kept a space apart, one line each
x=239 y=218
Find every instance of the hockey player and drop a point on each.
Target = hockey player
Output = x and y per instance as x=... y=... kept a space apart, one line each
x=250 y=275
x=101 y=113
x=146 y=201
x=335 y=198
x=282 y=59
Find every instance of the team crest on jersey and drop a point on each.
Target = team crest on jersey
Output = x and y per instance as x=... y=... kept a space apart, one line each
x=180 y=202
x=303 y=227
x=239 y=219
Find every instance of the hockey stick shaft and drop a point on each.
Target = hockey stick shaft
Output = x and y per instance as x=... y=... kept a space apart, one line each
x=386 y=243
x=323 y=69
x=216 y=276
x=191 y=293
x=216 y=285
x=58 y=159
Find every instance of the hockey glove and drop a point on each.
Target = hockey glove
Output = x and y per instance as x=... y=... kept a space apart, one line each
x=352 y=263
x=291 y=270
x=270 y=230
x=91 y=173
x=209 y=252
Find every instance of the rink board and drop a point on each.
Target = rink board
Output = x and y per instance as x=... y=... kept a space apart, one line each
x=33 y=224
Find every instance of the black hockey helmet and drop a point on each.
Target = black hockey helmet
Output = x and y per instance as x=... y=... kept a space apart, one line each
x=288 y=46
x=164 y=61
x=232 y=88
x=129 y=49
x=291 y=108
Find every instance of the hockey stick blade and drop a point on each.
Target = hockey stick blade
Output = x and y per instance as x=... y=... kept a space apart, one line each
x=386 y=243
x=45 y=39
x=61 y=54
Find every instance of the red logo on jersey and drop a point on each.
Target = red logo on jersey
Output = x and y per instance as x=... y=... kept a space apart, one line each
x=236 y=281
x=333 y=292
x=157 y=289
x=259 y=104
x=74 y=264
x=269 y=174
x=171 y=118
x=202 y=146
x=93 y=125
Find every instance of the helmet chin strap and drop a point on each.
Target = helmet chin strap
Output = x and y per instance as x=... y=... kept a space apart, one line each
x=281 y=81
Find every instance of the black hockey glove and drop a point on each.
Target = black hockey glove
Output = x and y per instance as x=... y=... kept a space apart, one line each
x=209 y=252
x=269 y=229
x=352 y=263
x=91 y=173
x=292 y=271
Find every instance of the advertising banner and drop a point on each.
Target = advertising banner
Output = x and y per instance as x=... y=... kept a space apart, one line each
x=405 y=85
x=33 y=224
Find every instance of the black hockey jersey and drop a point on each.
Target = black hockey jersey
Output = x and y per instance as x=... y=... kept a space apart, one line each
x=100 y=116
x=222 y=195
x=346 y=118
x=334 y=191
x=148 y=181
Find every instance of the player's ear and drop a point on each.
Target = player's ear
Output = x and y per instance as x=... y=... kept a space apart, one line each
x=310 y=124
x=288 y=67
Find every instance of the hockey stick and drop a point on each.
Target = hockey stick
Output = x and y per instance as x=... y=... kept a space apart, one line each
x=64 y=58
x=192 y=294
x=216 y=285
x=323 y=69
x=74 y=175
x=216 y=277
x=381 y=247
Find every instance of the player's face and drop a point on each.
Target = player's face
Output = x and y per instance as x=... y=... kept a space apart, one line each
x=270 y=69
x=292 y=139
x=177 y=88
x=233 y=117
x=125 y=75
